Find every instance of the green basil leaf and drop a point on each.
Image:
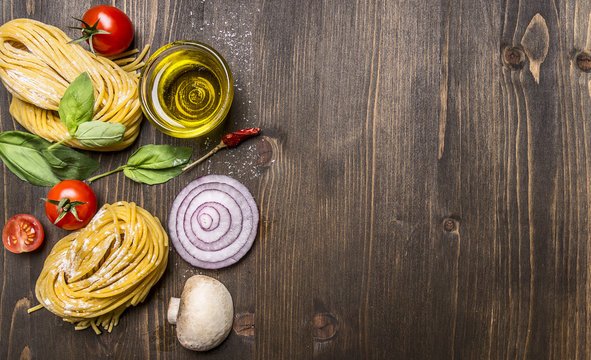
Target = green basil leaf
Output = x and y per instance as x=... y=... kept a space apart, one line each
x=154 y=164
x=152 y=176
x=68 y=163
x=99 y=133
x=159 y=157
x=26 y=155
x=21 y=153
x=77 y=104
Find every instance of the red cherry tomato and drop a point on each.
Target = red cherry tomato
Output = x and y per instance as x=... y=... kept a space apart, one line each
x=22 y=233
x=74 y=201
x=112 y=20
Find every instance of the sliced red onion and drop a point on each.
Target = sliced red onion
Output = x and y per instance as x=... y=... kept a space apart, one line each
x=213 y=222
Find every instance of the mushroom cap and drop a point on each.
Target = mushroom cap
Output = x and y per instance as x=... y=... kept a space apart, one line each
x=205 y=313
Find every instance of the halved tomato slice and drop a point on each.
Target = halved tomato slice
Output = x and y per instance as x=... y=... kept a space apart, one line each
x=22 y=233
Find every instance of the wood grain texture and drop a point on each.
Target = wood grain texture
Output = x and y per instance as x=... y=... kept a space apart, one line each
x=419 y=198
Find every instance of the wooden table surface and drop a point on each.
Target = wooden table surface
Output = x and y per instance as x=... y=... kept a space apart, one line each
x=422 y=179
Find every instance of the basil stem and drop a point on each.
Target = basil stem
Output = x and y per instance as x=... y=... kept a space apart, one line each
x=107 y=173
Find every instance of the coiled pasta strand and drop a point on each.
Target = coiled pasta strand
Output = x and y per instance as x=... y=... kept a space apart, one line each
x=37 y=64
x=92 y=275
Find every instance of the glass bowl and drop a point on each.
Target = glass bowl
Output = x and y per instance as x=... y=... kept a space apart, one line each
x=186 y=89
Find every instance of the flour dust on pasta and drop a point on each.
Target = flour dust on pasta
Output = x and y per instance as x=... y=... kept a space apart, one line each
x=37 y=65
x=92 y=275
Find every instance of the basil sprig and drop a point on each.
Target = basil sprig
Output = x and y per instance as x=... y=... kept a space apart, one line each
x=76 y=108
x=153 y=164
x=29 y=158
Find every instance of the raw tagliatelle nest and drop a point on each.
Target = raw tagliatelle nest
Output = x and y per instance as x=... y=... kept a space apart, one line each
x=37 y=65
x=92 y=275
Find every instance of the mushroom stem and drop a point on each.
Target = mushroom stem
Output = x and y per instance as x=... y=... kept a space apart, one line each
x=173 y=309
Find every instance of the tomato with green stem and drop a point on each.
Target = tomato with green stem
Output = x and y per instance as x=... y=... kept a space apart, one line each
x=70 y=204
x=107 y=30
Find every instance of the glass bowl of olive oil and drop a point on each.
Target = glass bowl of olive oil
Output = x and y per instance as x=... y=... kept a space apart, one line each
x=186 y=89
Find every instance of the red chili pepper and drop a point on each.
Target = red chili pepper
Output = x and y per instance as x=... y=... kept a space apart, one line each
x=231 y=139
x=236 y=137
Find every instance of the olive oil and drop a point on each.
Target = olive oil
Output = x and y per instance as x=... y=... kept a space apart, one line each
x=188 y=92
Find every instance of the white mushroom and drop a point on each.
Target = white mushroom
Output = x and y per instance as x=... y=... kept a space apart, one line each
x=203 y=315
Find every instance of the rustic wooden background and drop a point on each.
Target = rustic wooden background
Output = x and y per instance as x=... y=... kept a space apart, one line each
x=423 y=181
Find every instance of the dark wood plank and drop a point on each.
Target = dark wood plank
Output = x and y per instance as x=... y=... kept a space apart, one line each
x=420 y=197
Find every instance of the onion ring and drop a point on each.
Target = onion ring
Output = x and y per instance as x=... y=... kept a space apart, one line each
x=213 y=222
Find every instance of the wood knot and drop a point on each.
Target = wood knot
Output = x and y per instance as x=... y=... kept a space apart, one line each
x=26 y=353
x=450 y=225
x=266 y=148
x=583 y=60
x=535 y=42
x=324 y=327
x=244 y=324
x=513 y=57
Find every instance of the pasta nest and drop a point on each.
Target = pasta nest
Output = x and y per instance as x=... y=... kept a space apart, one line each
x=92 y=275
x=37 y=65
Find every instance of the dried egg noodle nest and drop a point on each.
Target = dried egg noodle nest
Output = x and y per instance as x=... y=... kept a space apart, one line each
x=92 y=275
x=37 y=65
